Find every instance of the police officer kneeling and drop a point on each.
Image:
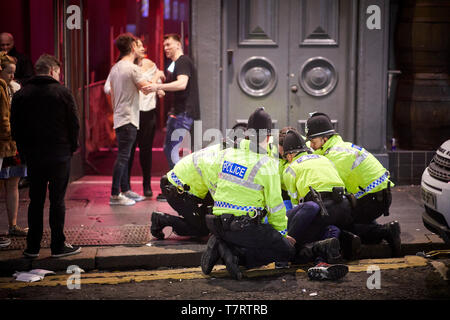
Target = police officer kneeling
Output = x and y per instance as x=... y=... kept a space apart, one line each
x=364 y=177
x=187 y=193
x=313 y=178
x=248 y=194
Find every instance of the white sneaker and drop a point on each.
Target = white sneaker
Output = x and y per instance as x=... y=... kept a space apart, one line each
x=133 y=196
x=121 y=200
x=4 y=242
x=325 y=271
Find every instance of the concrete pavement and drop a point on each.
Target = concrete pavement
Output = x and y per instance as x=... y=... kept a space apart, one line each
x=118 y=238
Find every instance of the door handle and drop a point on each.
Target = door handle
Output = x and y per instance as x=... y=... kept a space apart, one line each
x=294 y=88
x=230 y=54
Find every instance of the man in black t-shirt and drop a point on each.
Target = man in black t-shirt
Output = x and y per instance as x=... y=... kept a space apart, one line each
x=185 y=108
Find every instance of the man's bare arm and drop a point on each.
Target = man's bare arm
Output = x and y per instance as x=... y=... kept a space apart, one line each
x=178 y=85
x=144 y=86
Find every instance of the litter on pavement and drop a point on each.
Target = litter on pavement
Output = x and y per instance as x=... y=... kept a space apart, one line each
x=32 y=276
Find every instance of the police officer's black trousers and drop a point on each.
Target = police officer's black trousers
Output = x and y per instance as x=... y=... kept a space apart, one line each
x=371 y=207
x=255 y=244
x=340 y=213
x=192 y=212
x=366 y=211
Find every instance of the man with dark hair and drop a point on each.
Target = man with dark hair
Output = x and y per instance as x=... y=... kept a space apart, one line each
x=186 y=99
x=47 y=64
x=24 y=67
x=45 y=125
x=126 y=80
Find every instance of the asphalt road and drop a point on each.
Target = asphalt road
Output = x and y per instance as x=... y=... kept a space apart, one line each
x=410 y=278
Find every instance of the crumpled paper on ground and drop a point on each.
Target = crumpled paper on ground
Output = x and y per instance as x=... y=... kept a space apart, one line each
x=32 y=276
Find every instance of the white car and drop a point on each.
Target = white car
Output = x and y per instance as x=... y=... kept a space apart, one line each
x=436 y=193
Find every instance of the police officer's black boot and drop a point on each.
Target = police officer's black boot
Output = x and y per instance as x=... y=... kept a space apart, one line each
x=231 y=261
x=350 y=245
x=159 y=221
x=211 y=255
x=328 y=249
x=391 y=233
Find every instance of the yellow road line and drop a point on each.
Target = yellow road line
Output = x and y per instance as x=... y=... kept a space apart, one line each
x=196 y=273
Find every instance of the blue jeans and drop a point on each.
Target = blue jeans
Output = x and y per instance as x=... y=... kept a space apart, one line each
x=126 y=136
x=179 y=124
x=306 y=225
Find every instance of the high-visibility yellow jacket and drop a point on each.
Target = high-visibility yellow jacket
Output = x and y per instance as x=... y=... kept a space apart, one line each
x=307 y=170
x=282 y=165
x=274 y=152
x=248 y=181
x=207 y=162
x=361 y=172
x=184 y=173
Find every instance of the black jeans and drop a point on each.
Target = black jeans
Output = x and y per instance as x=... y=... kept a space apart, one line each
x=126 y=136
x=259 y=244
x=144 y=140
x=54 y=175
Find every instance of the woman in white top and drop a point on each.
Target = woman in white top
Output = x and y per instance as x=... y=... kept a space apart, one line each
x=147 y=120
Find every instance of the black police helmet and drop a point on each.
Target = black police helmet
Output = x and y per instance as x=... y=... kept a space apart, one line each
x=293 y=142
x=318 y=126
x=260 y=120
x=315 y=114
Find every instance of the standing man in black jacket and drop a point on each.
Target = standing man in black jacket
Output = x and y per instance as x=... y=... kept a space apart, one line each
x=45 y=126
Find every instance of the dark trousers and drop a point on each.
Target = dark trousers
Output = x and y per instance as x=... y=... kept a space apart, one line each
x=255 y=244
x=339 y=213
x=305 y=223
x=54 y=175
x=192 y=211
x=144 y=140
x=372 y=206
x=179 y=126
x=258 y=245
x=367 y=210
x=126 y=136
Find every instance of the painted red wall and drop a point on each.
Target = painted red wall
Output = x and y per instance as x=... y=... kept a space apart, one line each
x=31 y=24
x=15 y=21
x=41 y=28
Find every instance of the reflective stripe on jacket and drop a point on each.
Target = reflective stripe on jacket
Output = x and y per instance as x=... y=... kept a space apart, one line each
x=208 y=163
x=310 y=170
x=358 y=168
x=184 y=172
x=249 y=180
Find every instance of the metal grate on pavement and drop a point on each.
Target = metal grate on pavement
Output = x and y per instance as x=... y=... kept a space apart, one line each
x=93 y=236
